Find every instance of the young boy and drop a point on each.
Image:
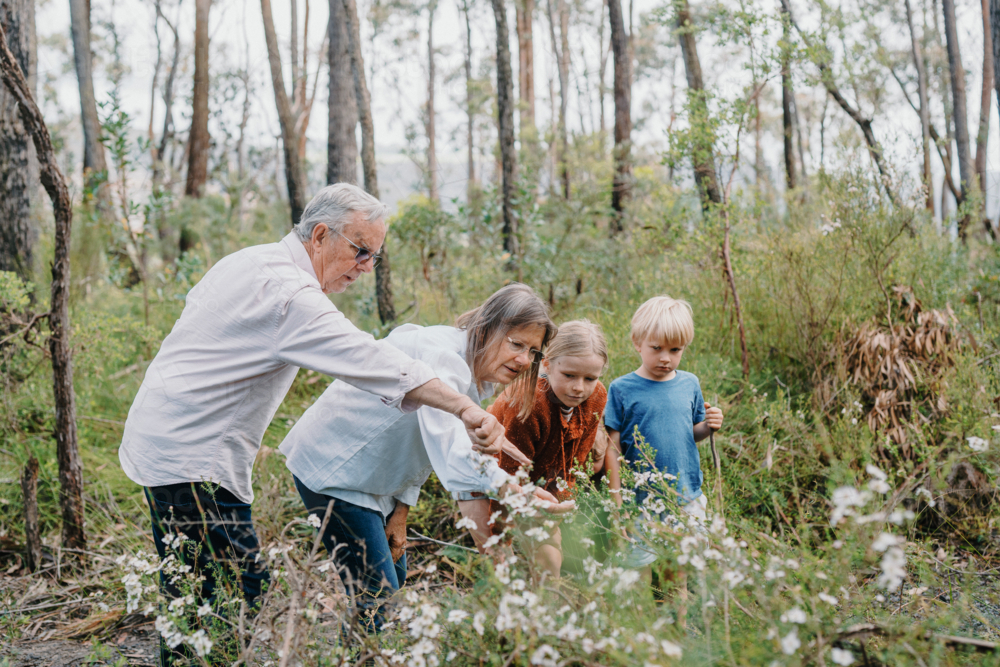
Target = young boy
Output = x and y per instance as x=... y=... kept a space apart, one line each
x=663 y=402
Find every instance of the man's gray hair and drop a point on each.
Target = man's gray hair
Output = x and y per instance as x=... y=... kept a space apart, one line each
x=333 y=205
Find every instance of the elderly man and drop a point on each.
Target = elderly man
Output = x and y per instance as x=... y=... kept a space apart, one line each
x=220 y=375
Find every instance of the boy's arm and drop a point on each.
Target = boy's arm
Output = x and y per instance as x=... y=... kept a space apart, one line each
x=611 y=466
x=713 y=422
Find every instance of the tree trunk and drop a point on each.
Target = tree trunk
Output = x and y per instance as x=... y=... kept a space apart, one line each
x=432 y=168
x=169 y=240
x=383 y=272
x=95 y=166
x=471 y=186
x=602 y=88
x=995 y=40
x=17 y=163
x=561 y=48
x=67 y=448
x=32 y=534
x=342 y=141
x=295 y=174
x=198 y=139
x=985 y=100
x=957 y=73
x=703 y=150
x=787 y=99
x=622 y=181
x=505 y=110
x=526 y=70
x=925 y=119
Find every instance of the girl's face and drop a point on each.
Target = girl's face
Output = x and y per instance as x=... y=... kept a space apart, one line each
x=514 y=353
x=573 y=379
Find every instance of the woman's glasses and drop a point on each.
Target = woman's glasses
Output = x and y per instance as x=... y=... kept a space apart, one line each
x=364 y=254
x=517 y=347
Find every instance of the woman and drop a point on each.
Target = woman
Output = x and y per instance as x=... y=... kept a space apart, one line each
x=370 y=460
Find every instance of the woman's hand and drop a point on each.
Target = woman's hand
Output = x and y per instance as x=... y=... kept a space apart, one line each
x=395 y=530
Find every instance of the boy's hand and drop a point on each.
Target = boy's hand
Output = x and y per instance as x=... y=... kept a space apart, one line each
x=713 y=417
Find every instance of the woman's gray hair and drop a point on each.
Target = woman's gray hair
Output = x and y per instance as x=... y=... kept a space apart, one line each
x=333 y=205
x=511 y=307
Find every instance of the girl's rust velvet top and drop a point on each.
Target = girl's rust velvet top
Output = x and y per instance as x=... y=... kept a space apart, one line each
x=553 y=443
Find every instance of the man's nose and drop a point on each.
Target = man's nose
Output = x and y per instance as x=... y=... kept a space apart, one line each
x=367 y=266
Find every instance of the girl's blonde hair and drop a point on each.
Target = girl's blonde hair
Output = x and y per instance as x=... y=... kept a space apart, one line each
x=579 y=338
x=664 y=320
x=511 y=307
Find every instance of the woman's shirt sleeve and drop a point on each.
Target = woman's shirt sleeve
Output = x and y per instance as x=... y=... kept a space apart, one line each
x=446 y=440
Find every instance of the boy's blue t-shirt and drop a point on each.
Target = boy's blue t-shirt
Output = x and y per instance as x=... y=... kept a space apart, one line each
x=665 y=413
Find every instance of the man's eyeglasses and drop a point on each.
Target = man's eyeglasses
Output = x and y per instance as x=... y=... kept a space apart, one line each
x=364 y=254
x=517 y=347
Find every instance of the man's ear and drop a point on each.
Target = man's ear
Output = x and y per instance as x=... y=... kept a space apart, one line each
x=320 y=232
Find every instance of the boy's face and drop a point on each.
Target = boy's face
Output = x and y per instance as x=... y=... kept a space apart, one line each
x=660 y=359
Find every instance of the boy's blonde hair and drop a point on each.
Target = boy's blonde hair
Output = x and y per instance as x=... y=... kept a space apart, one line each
x=663 y=319
x=578 y=338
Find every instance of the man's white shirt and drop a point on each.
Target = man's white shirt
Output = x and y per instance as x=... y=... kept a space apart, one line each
x=252 y=321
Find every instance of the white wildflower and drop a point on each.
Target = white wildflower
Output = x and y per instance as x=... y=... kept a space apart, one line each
x=492 y=541
x=457 y=615
x=537 y=533
x=205 y=610
x=670 y=649
x=790 y=643
x=893 y=569
x=977 y=444
x=314 y=520
x=841 y=657
x=884 y=541
x=733 y=578
x=451 y=656
x=545 y=656
x=827 y=598
x=794 y=615
x=200 y=642
x=844 y=499
x=467 y=523
x=477 y=622
x=930 y=497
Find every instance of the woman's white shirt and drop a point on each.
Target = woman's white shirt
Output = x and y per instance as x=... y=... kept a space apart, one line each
x=351 y=446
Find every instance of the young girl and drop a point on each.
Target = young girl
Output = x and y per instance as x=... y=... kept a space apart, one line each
x=565 y=424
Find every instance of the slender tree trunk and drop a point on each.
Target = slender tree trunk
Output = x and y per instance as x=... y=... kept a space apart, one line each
x=198 y=140
x=169 y=241
x=32 y=533
x=526 y=70
x=383 y=272
x=925 y=119
x=67 y=448
x=17 y=161
x=342 y=141
x=985 y=101
x=602 y=88
x=622 y=181
x=295 y=174
x=432 y=167
x=471 y=185
x=505 y=110
x=703 y=152
x=561 y=49
x=95 y=166
x=787 y=99
x=961 y=115
x=758 y=149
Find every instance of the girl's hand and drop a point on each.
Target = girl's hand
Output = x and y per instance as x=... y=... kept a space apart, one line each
x=551 y=504
x=713 y=417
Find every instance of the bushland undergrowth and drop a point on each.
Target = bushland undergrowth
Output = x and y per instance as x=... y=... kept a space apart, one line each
x=859 y=459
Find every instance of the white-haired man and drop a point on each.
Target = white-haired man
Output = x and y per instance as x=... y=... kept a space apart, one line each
x=256 y=317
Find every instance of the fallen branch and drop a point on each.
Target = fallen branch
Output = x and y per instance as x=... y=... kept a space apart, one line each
x=863 y=630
